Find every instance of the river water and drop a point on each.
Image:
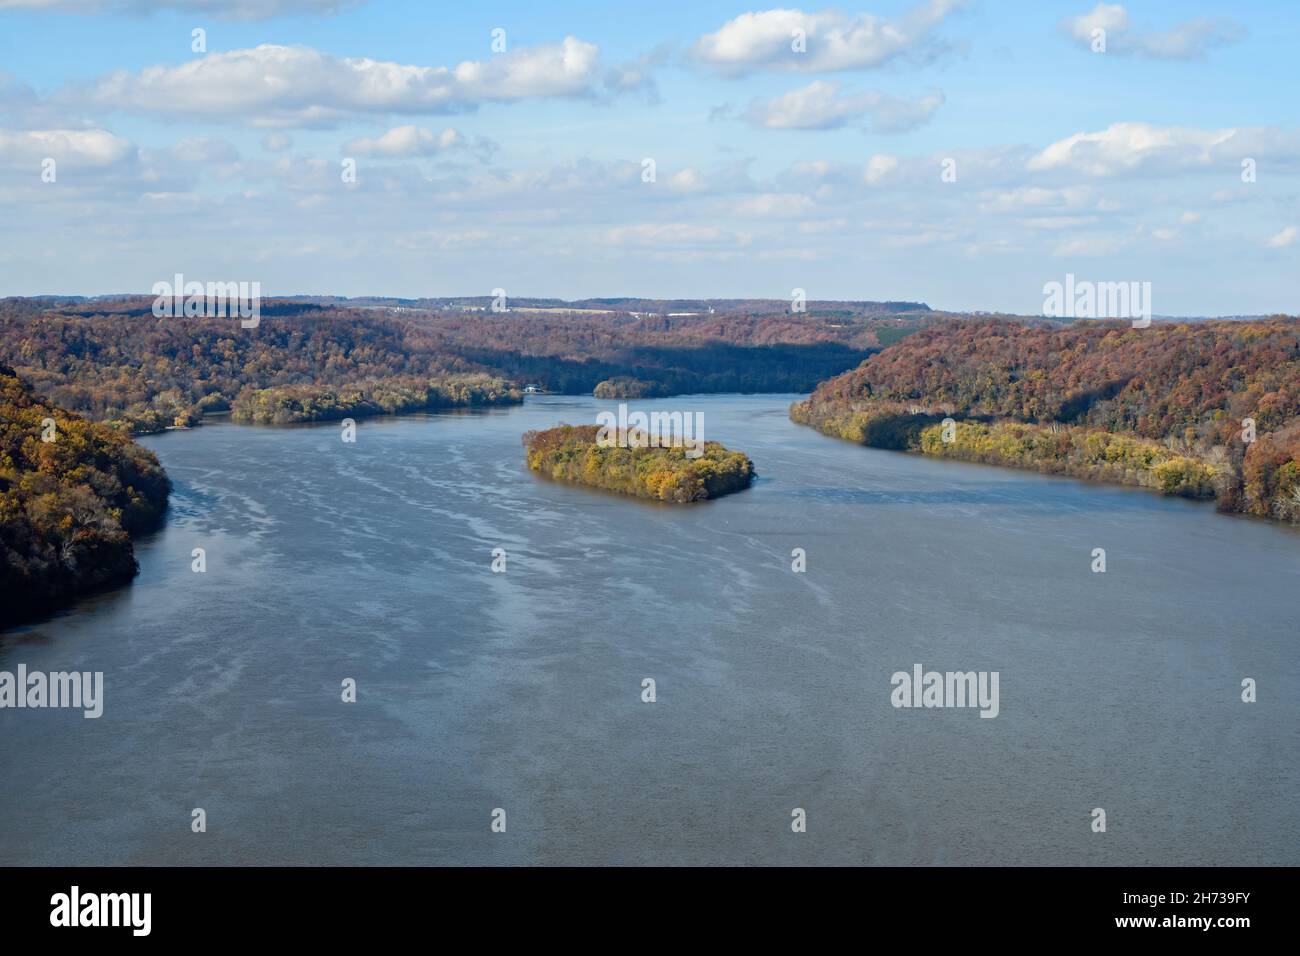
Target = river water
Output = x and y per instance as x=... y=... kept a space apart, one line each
x=522 y=690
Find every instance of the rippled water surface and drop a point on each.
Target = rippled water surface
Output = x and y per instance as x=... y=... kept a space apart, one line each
x=522 y=690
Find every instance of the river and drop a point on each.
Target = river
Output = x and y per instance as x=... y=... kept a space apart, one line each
x=523 y=690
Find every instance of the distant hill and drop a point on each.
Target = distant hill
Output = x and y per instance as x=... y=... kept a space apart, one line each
x=626 y=305
x=1203 y=409
x=112 y=360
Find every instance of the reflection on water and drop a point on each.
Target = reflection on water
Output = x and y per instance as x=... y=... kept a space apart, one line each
x=522 y=690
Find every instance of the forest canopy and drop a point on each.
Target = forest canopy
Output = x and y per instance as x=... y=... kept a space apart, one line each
x=1202 y=409
x=624 y=387
x=572 y=453
x=72 y=493
x=289 y=404
x=112 y=360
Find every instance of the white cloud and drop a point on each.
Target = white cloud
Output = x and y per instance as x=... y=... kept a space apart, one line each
x=774 y=206
x=824 y=105
x=819 y=169
x=1107 y=17
x=1036 y=197
x=406 y=141
x=878 y=167
x=1128 y=148
x=1057 y=222
x=833 y=41
x=1189 y=40
x=927 y=238
x=276 y=142
x=273 y=85
x=1000 y=166
x=1090 y=246
x=1284 y=238
x=674 y=234
x=73 y=147
x=450 y=241
x=818 y=226
x=686 y=180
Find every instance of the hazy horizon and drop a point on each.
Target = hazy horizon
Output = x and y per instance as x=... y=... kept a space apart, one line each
x=292 y=296
x=960 y=153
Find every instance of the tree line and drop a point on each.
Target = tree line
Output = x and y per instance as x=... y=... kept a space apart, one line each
x=113 y=361
x=1192 y=408
x=72 y=494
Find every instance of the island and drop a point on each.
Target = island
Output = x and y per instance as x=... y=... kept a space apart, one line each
x=572 y=453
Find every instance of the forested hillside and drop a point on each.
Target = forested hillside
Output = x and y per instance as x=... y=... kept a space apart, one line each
x=72 y=493
x=1206 y=409
x=112 y=360
x=69 y=506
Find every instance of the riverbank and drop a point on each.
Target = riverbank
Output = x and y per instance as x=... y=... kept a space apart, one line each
x=73 y=494
x=293 y=404
x=1055 y=449
x=1199 y=410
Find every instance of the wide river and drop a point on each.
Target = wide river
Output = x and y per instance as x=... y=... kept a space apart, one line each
x=522 y=690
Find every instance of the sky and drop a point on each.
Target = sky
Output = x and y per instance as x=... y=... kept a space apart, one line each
x=961 y=154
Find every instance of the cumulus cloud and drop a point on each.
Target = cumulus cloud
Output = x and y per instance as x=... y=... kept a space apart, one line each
x=280 y=86
x=1025 y=198
x=991 y=167
x=1189 y=40
x=1132 y=148
x=686 y=180
x=406 y=141
x=833 y=41
x=825 y=105
x=226 y=9
x=73 y=147
x=1284 y=238
x=879 y=167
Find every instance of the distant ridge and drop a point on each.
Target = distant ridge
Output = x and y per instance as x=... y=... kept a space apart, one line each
x=634 y=304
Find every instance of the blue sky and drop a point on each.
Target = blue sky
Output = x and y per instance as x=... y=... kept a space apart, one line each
x=774 y=168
